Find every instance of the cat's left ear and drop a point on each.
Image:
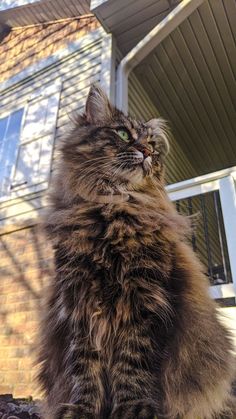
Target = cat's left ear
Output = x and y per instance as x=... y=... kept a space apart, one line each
x=160 y=133
x=98 y=109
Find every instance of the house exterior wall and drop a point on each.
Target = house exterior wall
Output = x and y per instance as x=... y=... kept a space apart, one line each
x=26 y=268
x=178 y=166
x=75 y=69
x=26 y=263
x=23 y=47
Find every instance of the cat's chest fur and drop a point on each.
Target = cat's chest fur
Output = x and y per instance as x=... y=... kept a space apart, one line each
x=115 y=270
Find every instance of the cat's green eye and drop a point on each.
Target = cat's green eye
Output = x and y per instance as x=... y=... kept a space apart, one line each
x=123 y=134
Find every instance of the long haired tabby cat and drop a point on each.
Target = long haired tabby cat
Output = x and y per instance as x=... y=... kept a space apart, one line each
x=129 y=330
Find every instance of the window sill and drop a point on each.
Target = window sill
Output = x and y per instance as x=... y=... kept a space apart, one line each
x=23 y=191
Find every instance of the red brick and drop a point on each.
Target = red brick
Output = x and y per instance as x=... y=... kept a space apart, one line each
x=23 y=390
x=19 y=377
x=9 y=364
x=6 y=389
x=25 y=364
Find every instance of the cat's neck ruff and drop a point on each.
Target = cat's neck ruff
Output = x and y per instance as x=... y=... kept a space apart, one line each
x=107 y=199
x=123 y=197
x=120 y=195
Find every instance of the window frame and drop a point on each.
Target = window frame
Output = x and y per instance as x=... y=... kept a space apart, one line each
x=17 y=191
x=6 y=114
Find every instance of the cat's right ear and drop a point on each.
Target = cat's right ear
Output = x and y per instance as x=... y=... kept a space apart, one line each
x=98 y=109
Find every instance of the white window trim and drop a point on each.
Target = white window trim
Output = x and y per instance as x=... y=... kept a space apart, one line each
x=9 y=111
x=22 y=189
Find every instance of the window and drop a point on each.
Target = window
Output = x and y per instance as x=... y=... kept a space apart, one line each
x=10 y=128
x=27 y=137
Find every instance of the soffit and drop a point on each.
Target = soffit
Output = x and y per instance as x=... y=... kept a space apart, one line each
x=191 y=79
x=130 y=20
x=43 y=11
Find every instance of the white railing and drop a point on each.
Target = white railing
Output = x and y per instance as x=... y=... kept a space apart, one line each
x=224 y=182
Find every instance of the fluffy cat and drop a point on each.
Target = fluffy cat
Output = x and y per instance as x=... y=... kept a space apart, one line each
x=129 y=330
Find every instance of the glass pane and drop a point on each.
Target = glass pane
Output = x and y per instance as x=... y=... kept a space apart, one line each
x=3 y=125
x=9 y=147
x=11 y=138
x=14 y=125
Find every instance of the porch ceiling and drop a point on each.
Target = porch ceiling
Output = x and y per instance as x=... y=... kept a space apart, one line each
x=43 y=11
x=191 y=78
x=131 y=20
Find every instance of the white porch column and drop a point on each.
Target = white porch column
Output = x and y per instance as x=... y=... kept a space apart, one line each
x=228 y=203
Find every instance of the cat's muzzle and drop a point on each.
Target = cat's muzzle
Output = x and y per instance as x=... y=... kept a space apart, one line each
x=146 y=161
x=147 y=165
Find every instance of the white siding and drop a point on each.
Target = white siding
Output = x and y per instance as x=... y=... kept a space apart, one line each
x=28 y=12
x=75 y=73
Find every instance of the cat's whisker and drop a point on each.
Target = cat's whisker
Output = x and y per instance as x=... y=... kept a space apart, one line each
x=97 y=164
x=88 y=164
x=111 y=174
x=111 y=163
x=90 y=181
x=115 y=173
x=93 y=168
x=107 y=173
x=129 y=154
x=104 y=165
x=103 y=161
x=93 y=171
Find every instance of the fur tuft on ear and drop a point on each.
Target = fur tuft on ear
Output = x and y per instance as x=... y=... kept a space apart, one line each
x=98 y=108
x=161 y=134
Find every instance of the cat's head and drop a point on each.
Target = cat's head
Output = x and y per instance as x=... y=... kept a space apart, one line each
x=109 y=153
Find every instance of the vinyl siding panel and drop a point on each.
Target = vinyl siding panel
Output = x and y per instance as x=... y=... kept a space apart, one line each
x=178 y=166
x=75 y=72
x=39 y=12
x=23 y=47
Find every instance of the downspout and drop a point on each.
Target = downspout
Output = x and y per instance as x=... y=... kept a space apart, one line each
x=147 y=44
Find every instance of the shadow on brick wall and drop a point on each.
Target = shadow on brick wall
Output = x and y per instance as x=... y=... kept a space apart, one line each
x=26 y=267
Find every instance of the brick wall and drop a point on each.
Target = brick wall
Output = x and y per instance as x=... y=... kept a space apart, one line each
x=23 y=47
x=26 y=266
x=25 y=255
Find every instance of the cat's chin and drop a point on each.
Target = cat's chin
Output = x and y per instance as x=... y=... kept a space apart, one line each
x=147 y=165
x=139 y=171
x=135 y=175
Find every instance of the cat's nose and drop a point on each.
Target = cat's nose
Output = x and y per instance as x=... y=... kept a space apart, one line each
x=146 y=149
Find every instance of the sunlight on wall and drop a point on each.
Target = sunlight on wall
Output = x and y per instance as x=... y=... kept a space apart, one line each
x=9 y=4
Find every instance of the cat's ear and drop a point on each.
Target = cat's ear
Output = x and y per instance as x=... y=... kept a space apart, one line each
x=98 y=108
x=160 y=133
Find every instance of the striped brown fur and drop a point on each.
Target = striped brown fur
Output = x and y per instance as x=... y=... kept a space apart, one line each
x=129 y=330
